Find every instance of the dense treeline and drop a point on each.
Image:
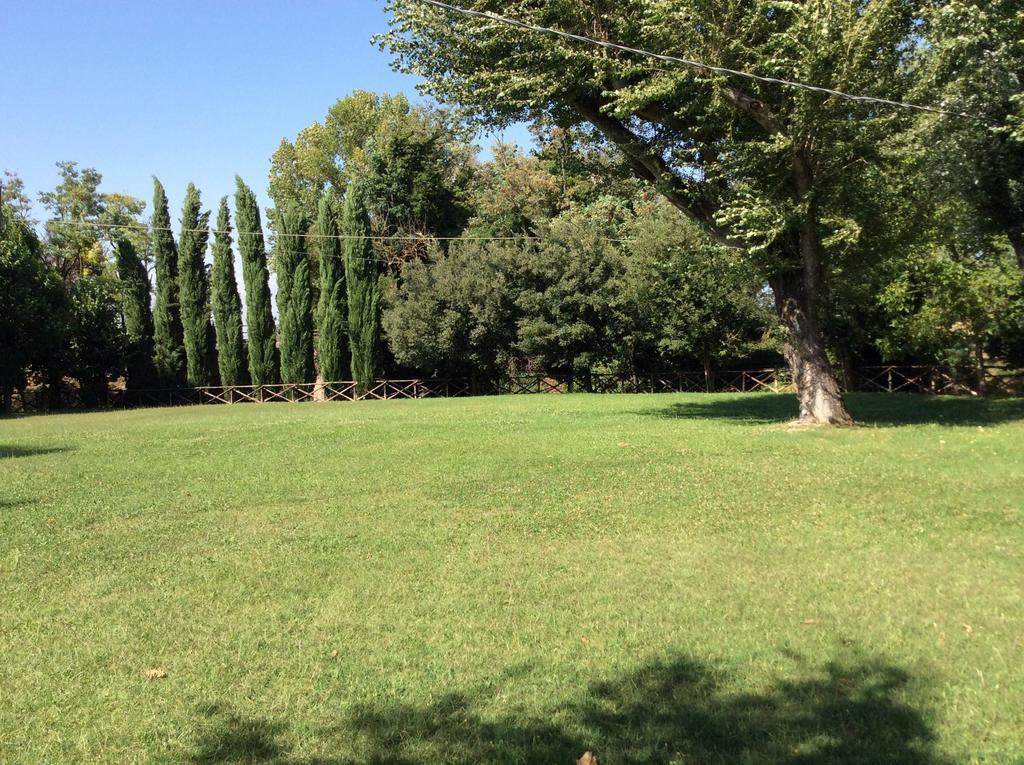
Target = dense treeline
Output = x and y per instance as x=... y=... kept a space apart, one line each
x=397 y=250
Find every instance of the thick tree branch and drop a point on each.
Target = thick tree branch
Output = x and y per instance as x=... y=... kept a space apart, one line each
x=757 y=110
x=651 y=166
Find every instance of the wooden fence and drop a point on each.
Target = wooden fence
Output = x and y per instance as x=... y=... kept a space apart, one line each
x=890 y=379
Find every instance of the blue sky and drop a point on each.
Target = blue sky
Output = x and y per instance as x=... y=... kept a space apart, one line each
x=184 y=90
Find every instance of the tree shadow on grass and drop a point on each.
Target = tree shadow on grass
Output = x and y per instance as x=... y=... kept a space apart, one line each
x=670 y=711
x=10 y=452
x=878 y=409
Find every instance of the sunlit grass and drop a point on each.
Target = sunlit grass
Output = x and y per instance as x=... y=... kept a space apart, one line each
x=677 y=578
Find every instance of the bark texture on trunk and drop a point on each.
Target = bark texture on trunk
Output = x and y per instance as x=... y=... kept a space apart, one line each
x=821 y=400
x=1017 y=241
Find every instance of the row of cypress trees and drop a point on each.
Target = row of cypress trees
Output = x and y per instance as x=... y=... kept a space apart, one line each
x=193 y=335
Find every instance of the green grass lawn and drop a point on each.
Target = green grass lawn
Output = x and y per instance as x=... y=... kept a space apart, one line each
x=666 y=579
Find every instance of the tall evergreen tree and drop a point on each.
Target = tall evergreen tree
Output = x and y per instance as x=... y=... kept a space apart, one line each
x=362 y=279
x=137 y=313
x=168 y=333
x=263 y=358
x=227 y=306
x=332 y=310
x=194 y=288
x=294 y=297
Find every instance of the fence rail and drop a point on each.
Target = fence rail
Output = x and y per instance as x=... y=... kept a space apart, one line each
x=890 y=379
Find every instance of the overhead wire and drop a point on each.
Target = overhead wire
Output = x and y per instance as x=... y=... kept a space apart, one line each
x=422 y=239
x=508 y=21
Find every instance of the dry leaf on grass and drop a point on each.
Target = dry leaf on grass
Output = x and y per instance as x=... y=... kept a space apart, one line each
x=155 y=673
x=588 y=758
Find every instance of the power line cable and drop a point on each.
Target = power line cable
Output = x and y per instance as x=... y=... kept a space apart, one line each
x=694 y=64
x=424 y=238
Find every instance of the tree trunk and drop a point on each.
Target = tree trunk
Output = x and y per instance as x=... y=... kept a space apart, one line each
x=979 y=369
x=1017 y=242
x=8 y=398
x=709 y=380
x=816 y=386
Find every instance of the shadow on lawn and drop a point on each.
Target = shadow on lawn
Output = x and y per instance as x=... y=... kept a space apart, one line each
x=884 y=409
x=666 y=712
x=8 y=452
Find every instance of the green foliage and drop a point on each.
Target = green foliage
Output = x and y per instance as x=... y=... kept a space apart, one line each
x=566 y=322
x=294 y=298
x=14 y=197
x=949 y=308
x=413 y=162
x=973 y=62
x=134 y=295
x=194 y=287
x=168 y=332
x=332 y=310
x=32 y=304
x=455 y=314
x=227 y=305
x=682 y=297
x=96 y=338
x=264 y=364
x=363 y=284
x=513 y=194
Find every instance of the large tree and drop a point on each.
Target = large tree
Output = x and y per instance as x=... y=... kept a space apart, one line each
x=194 y=287
x=363 y=284
x=168 y=332
x=137 y=313
x=263 y=356
x=294 y=298
x=227 y=305
x=755 y=164
x=973 y=60
x=413 y=161
x=32 y=305
x=332 y=309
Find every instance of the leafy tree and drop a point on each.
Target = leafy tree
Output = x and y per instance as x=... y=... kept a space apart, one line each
x=681 y=295
x=168 y=332
x=363 y=284
x=227 y=305
x=973 y=60
x=755 y=164
x=32 y=305
x=413 y=162
x=294 y=299
x=566 y=322
x=96 y=338
x=950 y=307
x=513 y=194
x=194 y=288
x=332 y=309
x=137 y=314
x=73 y=245
x=455 y=314
x=263 y=356
x=12 y=193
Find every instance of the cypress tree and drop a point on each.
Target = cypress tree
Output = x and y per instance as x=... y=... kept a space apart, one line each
x=362 y=280
x=294 y=297
x=227 y=306
x=137 y=313
x=168 y=333
x=194 y=288
x=332 y=310
x=263 y=359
